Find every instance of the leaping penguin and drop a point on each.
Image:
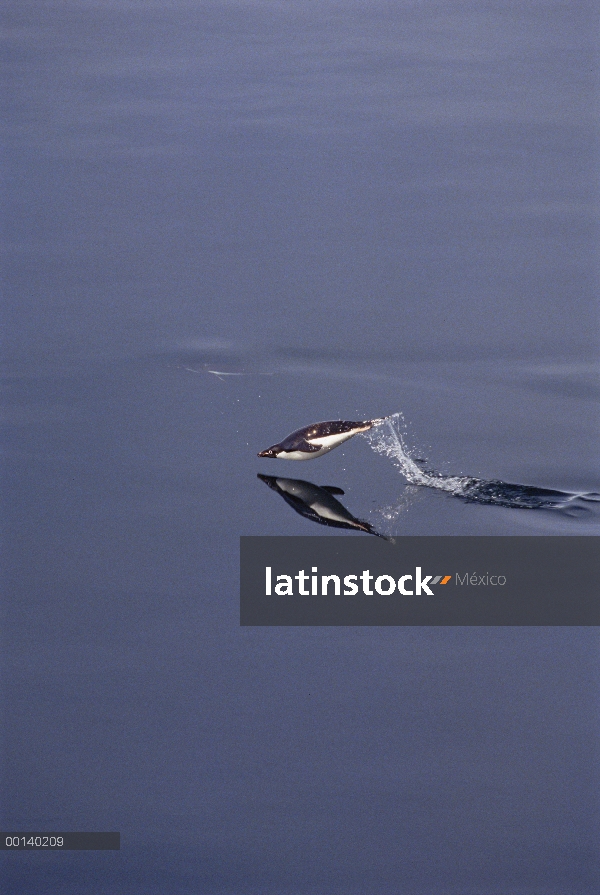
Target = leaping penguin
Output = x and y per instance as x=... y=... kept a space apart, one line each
x=315 y=440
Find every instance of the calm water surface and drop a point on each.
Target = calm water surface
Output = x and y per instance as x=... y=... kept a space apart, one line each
x=225 y=221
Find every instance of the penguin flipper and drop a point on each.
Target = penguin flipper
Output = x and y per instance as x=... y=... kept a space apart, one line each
x=306 y=447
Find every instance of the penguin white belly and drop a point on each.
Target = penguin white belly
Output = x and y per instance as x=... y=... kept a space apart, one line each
x=303 y=455
x=327 y=442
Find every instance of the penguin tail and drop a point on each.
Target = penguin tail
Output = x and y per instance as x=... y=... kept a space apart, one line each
x=376 y=422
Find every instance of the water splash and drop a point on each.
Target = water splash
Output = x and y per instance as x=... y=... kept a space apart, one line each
x=387 y=439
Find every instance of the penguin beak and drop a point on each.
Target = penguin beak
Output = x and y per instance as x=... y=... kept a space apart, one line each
x=270 y=452
x=269 y=480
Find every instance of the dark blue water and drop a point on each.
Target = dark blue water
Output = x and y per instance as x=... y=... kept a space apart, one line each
x=223 y=222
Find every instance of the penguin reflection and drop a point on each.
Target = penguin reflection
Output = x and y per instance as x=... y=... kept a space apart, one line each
x=317 y=503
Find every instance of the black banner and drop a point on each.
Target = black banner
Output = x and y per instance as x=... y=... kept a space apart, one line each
x=19 y=841
x=420 y=581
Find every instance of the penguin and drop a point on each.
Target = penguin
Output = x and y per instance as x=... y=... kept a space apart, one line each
x=315 y=440
x=317 y=503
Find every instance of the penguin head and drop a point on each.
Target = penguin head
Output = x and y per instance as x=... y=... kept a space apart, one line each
x=271 y=452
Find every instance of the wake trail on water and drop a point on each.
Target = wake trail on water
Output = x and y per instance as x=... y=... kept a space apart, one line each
x=386 y=438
